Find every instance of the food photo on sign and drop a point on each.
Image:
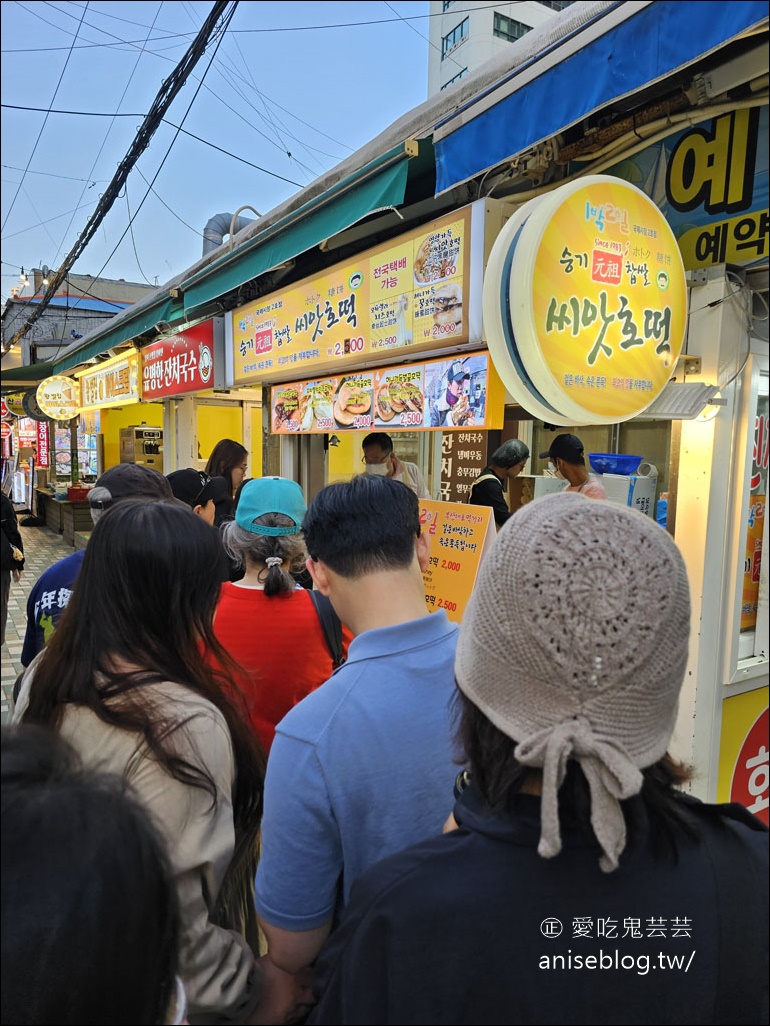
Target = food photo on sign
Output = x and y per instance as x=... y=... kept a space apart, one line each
x=316 y=411
x=456 y=392
x=286 y=409
x=398 y=398
x=353 y=402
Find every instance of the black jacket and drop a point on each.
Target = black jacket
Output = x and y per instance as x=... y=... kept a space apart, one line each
x=10 y=535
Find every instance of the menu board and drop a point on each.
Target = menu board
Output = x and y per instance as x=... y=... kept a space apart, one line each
x=463 y=457
x=410 y=295
x=460 y=536
x=453 y=393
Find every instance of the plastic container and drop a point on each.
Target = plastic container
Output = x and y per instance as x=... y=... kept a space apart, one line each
x=75 y=493
x=614 y=463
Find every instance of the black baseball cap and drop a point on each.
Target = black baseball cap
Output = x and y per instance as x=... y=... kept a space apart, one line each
x=564 y=447
x=458 y=371
x=128 y=481
x=192 y=486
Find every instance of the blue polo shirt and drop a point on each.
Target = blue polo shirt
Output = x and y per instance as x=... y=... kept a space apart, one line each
x=361 y=768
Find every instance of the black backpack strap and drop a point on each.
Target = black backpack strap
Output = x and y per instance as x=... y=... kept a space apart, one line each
x=331 y=626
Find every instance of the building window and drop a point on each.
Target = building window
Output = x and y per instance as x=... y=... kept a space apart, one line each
x=451 y=39
x=555 y=5
x=508 y=29
x=457 y=77
x=447 y=4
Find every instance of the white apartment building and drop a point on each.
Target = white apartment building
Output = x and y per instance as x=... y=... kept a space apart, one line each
x=466 y=33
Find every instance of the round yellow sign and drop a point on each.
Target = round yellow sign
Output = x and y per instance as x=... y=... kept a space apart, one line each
x=59 y=397
x=594 y=302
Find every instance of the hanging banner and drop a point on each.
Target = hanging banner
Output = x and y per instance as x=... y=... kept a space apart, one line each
x=183 y=363
x=455 y=393
x=113 y=383
x=43 y=458
x=59 y=397
x=585 y=303
x=409 y=295
x=459 y=537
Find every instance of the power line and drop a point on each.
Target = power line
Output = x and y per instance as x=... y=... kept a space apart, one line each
x=206 y=142
x=50 y=174
x=215 y=25
x=109 y=129
x=281 y=28
x=42 y=127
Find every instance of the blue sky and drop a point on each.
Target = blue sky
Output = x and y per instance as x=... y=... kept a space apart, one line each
x=282 y=93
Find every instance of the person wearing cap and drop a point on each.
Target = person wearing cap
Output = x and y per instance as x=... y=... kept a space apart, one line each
x=364 y=765
x=199 y=491
x=566 y=453
x=489 y=488
x=579 y=883
x=51 y=592
x=452 y=408
x=266 y=621
x=380 y=460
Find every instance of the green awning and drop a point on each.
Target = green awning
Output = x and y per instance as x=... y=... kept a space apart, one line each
x=121 y=329
x=381 y=184
x=29 y=375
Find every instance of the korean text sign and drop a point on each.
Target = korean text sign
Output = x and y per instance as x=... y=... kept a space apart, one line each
x=112 y=383
x=459 y=536
x=410 y=294
x=183 y=363
x=595 y=303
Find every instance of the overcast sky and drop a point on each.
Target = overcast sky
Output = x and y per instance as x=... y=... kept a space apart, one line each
x=283 y=93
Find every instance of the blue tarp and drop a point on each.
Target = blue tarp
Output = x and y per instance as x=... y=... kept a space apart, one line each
x=657 y=41
x=85 y=303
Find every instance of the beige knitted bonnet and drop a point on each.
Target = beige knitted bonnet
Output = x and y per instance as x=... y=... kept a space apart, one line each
x=574 y=644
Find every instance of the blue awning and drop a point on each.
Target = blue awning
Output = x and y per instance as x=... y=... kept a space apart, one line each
x=656 y=41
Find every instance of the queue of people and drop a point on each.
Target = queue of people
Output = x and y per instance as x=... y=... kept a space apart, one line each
x=375 y=833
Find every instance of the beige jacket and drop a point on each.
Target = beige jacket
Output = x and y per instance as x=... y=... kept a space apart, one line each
x=218 y=968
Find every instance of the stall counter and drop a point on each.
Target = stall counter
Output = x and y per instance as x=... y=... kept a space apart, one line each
x=62 y=516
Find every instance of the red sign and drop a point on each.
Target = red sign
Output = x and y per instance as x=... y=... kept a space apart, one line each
x=751 y=777
x=4 y=411
x=43 y=458
x=5 y=430
x=183 y=363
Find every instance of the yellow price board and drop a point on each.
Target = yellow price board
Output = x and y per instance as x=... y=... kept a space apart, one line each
x=459 y=537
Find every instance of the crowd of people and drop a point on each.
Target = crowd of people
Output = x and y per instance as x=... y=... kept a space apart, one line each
x=250 y=778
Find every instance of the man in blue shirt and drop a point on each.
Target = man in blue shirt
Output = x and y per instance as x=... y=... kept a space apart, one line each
x=364 y=766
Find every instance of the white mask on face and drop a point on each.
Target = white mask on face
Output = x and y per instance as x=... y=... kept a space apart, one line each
x=378 y=469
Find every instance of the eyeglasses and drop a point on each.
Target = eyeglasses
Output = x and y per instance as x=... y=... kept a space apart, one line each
x=376 y=462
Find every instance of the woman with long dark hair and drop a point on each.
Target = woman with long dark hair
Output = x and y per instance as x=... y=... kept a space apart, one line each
x=124 y=682
x=228 y=459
